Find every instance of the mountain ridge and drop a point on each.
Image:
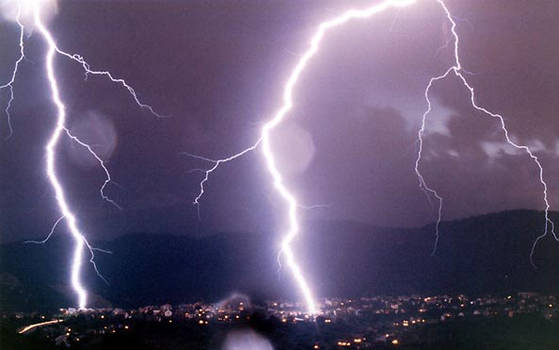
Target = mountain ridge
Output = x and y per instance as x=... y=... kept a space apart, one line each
x=476 y=255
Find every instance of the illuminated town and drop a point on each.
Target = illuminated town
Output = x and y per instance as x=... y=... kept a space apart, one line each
x=362 y=323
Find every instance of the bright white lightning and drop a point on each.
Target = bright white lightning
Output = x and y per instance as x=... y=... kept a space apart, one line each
x=33 y=10
x=10 y=84
x=264 y=139
x=51 y=157
x=24 y=7
x=51 y=232
x=87 y=70
x=279 y=116
x=457 y=69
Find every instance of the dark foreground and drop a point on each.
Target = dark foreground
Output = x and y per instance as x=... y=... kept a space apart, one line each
x=522 y=321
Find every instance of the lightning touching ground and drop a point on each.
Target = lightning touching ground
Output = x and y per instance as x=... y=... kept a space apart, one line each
x=286 y=103
x=33 y=9
x=291 y=202
x=287 y=99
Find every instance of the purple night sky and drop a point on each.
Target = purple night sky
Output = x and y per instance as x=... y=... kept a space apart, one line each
x=217 y=70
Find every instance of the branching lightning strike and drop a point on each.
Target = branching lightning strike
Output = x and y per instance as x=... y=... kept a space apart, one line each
x=10 y=84
x=265 y=134
x=60 y=129
x=264 y=140
x=290 y=199
x=458 y=70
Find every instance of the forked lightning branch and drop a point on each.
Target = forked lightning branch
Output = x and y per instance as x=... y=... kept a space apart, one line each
x=29 y=11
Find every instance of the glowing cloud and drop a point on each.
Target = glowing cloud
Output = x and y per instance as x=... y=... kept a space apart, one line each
x=23 y=11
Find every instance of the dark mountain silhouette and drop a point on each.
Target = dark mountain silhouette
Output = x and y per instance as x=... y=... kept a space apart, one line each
x=478 y=255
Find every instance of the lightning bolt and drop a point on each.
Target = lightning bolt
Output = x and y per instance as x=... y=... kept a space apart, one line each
x=288 y=197
x=60 y=130
x=87 y=71
x=457 y=70
x=290 y=200
x=10 y=84
x=79 y=238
